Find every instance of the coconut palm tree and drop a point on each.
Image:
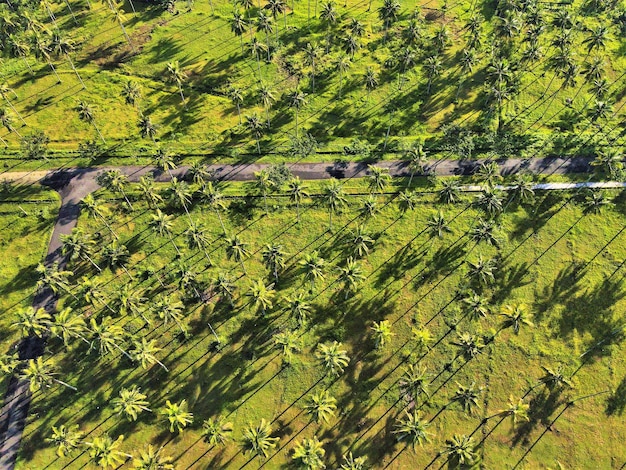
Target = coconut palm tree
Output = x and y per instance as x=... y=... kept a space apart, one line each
x=311 y=54
x=78 y=245
x=411 y=429
x=490 y=201
x=177 y=415
x=239 y=26
x=62 y=46
x=67 y=325
x=262 y=295
x=351 y=45
x=214 y=199
x=95 y=210
x=467 y=397
x=484 y=231
x=267 y=98
x=86 y=113
x=152 y=459
x=197 y=239
x=481 y=271
x=130 y=403
x=42 y=51
x=289 y=343
x=298 y=307
x=469 y=345
x=147 y=128
x=332 y=358
x=119 y=17
x=258 y=440
x=369 y=208
x=516 y=409
x=6 y=120
x=274 y=258
x=414 y=382
x=554 y=379
x=5 y=91
x=115 y=255
x=115 y=181
x=162 y=225
x=515 y=316
x=180 y=196
x=437 y=225
x=378 y=178
x=216 y=431
x=104 y=452
x=297 y=100
x=416 y=158
x=388 y=13
x=313 y=268
x=434 y=67
x=407 y=201
x=321 y=406
x=236 y=250
x=297 y=192
x=66 y=439
x=225 y=287
x=257 y=48
x=309 y=454
x=53 y=278
x=174 y=74
x=461 y=452
x=107 y=335
x=144 y=353
x=450 y=192
x=597 y=38
x=334 y=199
x=382 y=333
x=370 y=80
x=236 y=97
x=41 y=374
x=170 y=310
x=475 y=306
x=131 y=92
x=361 y=242
x=343 y=65
x=350 y=276
x=264 y=24
x=351 y=462
x=255 y=126
x=31 y=321
x=264 y=184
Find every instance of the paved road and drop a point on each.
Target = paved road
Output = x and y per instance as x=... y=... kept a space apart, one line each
x=75 y=184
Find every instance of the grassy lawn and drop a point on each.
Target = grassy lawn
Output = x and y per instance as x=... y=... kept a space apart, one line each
x=338 y=109
x=27 y=217
x=564 y=264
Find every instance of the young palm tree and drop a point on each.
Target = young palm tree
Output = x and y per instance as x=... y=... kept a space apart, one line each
x=461 y=452
x=309 y=454
x=470 y=345
x=144 y=353
x=467 y=397
x=332 y=358
x=86 y=113
x=313 y=268
x=515 y=317
x=351 y=462
x=258 y=440
x=297 y=193
x=321 y=406
x=162 y=225
x=475 y=306
x=267 y=98
x=382 y=333
x=437 y=225
x=131 y=92
x=41 y=375
x=104 y=452
x=370 y=80
x=262 y=295
x=78 y=245
x=350 y=276
x=115 y=181
x=33 y=322
x=414 y=382
x=66 y=439
x=216 y=430
x=299 y=308
x=239 y=26
x=411 y=429
x=175 y=75
x=297 y=100
x=152 y=459
x=68 y=325
x=177 y=415
x=213 y=198
x=334 y=198
x=288 y=342
x=147 y=128
x=130 y=403
x=450 y=192
x=236 y=250
x=274 y=258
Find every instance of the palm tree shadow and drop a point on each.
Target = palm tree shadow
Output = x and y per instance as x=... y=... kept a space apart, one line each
x=541 y=407
x=616 y=403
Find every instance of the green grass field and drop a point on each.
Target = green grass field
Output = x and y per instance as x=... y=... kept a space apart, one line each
x=564 y=264
x=390 y=117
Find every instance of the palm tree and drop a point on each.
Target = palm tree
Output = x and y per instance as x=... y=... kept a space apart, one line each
x=274 y=258
x=351 y=45
x=131 y=92
x=180 y=196
x=434 y=67
x=343 y=65
x=197 y=239
x=411 y=429
x=78 y=245
x=469 y=345
x=321 y=406
x=239 y=25
x=475 y=306
x=523 y=190
x=42 y=51
x=554 y=379
x=255 y=126
x=216 y=430
x=467 y=397
x=313 y=268
x=407 y=200
x=277 y=7
x=332 y=358
x=66 y=439
x=262 y=295
x=224 y=286
x=257 y=48
x=237 y=98
x=62 y=46
x=41 y=375
x=309 y=453
x=215 y=200
x=177 y=415
x=388 y=13
x=350 y=276
x=361 y=242
x=437 y=225
x=267 y=98
x=382 y=333
x=597 y=38
x=370 y=80
x=414 y=382
x=147 y=128
x=481 y=271
x=461 y=452
x=258 y=440
x=119 y=18
x=144 y=353
x=416 y=160
x=236 y=250
x=94 y=210
x=19 y=48
x=297 y=193
x=107 y=335
x=516 y=409
x=130 y=403
x=484 y=231
x=31 y=321
x=6 y=121
x=369 y=208
x=68 y=325
x=264 y=24
x=116 y=255
x=450 y=192
x=298 y=307
x=103 y=451
x=164 y=161
x=490 y=200
x=289 y=343
x=175 y=75
x=5 y=91
x=334 y=198
x=115 y=181
x=162 y=225
x=151 y=459
x=170 y=310
x=311 y=54
x=86 y=113
x=515 y=316
x=52 y=278
x=297 y=100
x=353 y=463
x=378 y=178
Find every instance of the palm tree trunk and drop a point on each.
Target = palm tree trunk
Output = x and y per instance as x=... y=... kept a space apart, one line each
x=54 y=71
x=104 y=141
x=340 y=81
x=267 y=116
x=174 y=245
x=182 y=96
x=239 y=113
x=6 y=144
x=65 y=384
x=219 y=216
x=92 y=262
x=14 y=110
x=27 y=64
x=298 y=211
x=72 y=13
x=76 y=71
x=126 y=36
x=132 y=6
x=212 y=8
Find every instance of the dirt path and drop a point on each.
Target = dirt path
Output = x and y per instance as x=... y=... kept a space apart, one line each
x=74 y=184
